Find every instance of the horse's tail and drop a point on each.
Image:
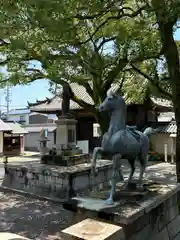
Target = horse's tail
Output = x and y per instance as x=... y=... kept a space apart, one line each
x=149 y=131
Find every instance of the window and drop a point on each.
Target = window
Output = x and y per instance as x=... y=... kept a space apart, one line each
x=22 y=118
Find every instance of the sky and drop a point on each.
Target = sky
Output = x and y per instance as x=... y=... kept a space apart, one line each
x=38 y=90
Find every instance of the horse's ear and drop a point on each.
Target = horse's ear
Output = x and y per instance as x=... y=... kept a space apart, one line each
x=109 y=93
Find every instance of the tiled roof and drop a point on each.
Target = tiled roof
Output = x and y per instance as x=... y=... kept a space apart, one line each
x=167 y=128
x=16 y=128
x=162 y=102
x=55 y=103
x=4 y=127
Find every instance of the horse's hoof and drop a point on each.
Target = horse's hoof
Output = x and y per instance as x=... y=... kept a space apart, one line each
x=109 y=201
x=94 y=172
x=125 y=186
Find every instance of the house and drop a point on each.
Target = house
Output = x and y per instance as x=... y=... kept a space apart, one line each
x=24 y=116
x=165 y=136
x=32 y=123
x=4 y=128
x=13 y=142
x=19 y=115
x=11 y=138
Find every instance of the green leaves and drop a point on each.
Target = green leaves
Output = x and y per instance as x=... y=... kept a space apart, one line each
x=94 y=44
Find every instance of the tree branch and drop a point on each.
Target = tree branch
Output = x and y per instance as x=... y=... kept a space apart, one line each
x=105 y=40
x=120 y=15
x=83 y=104
x=97 y=15
x=114 y=73
x=154 y=82
x=88 y=89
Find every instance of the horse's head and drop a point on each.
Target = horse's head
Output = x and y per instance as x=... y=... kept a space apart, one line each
x=112 y=102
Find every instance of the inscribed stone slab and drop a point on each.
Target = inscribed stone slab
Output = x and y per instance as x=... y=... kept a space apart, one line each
x=94 y=230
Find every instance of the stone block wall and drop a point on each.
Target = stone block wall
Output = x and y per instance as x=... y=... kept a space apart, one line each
x=162 y=222
x=59 y=182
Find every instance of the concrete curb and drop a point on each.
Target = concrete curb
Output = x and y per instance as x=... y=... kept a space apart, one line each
x=33 y=195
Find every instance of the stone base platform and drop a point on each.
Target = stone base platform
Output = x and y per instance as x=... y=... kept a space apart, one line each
x=151 y=215
x=57 y=182
x=65 y=161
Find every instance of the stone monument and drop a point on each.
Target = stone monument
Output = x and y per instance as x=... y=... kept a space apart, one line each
x=66 y=146
x=43 y=142
x=66 y=124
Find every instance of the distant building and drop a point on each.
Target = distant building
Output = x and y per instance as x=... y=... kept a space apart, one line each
x=24 y=116
x=19 y=115
x=11 y=138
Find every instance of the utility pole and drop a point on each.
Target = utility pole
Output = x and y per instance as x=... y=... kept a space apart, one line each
x=8 y=95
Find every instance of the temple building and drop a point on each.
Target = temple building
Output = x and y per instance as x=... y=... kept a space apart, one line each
x=137 y=114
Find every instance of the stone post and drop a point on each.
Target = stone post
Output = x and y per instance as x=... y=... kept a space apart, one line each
x=65 y=133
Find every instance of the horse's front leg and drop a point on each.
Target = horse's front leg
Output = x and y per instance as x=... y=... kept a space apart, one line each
x=115 y=176
x=96 y=152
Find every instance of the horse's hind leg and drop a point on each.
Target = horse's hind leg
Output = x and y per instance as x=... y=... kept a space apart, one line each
x=143 y=163
x=96 y=152
x=132 y=165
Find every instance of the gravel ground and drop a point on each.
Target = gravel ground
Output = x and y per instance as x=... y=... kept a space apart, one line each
x=32 y=218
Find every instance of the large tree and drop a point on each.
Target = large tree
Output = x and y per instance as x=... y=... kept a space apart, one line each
x=163 y=16
x=96 y=46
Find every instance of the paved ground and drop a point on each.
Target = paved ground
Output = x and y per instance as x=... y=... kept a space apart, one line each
x=28 y=156
x=31 y=218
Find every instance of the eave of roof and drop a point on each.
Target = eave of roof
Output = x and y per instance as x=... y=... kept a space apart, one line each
x=4 y=127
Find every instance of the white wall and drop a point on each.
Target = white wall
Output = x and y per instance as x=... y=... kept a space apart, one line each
x=1 y=142
x=16 y=118
x=31 y=140
x=158 y=141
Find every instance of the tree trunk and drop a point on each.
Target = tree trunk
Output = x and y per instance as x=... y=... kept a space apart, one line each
x=172 y=57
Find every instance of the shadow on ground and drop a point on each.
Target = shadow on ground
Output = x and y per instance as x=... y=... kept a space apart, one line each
x=32 y=218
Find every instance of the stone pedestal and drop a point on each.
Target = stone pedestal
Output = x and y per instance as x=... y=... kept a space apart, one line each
x=65 y=133
x=57 y=182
